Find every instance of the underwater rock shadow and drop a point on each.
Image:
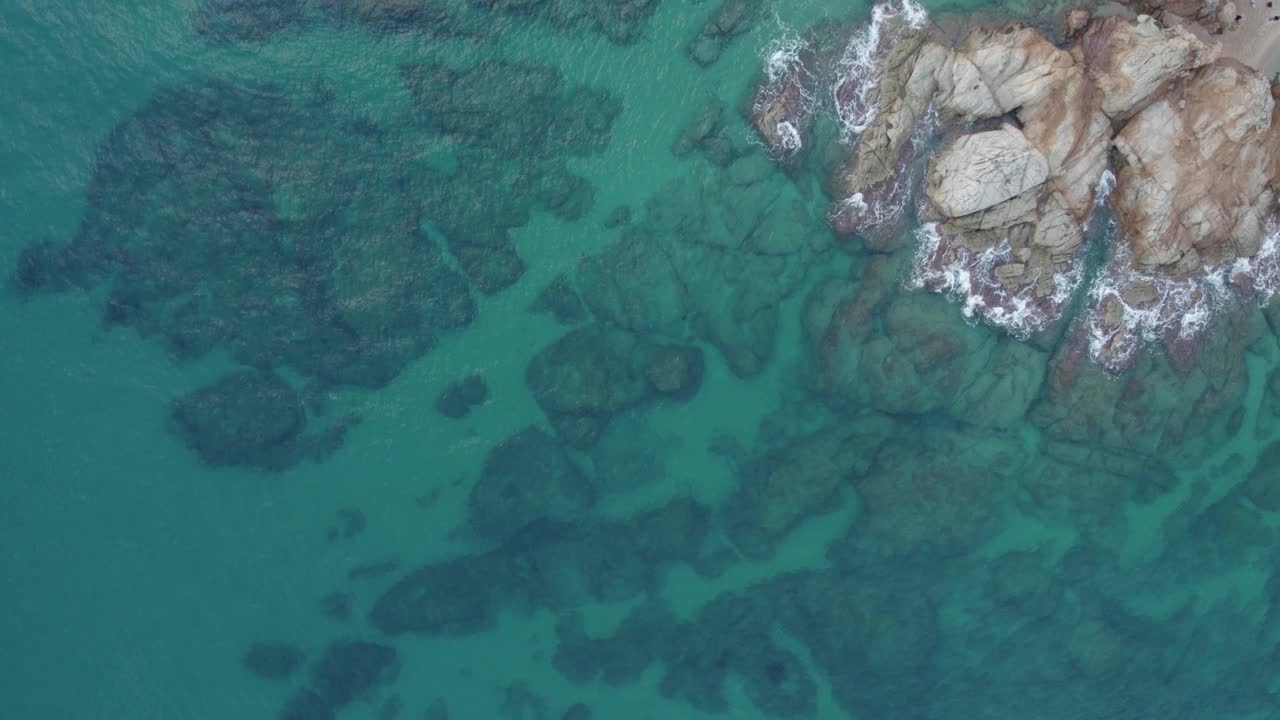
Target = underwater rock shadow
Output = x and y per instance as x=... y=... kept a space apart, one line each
x=268 y=221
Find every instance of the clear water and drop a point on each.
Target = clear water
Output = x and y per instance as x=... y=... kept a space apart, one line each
x=983 y=540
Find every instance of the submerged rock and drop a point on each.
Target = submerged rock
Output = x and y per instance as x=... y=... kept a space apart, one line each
x=545 y=565
x=674 y=370
x=852 y=629
x=729 y=20
x=273 y=661
x=349 y=669
x=582 y=379
x=786 y=487
x=1154 y=407
x=938 y=495
x=621 y=22
x=900 y=352
x=249 y=418
x=527 y=477
x=308 y=705
x=460 y=396
x=272 y=223
x=711 y=261
x=561 y=300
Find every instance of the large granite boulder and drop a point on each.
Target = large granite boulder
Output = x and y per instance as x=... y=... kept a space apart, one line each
x=1196 y=180
x=1131 y=61
x=980 y=171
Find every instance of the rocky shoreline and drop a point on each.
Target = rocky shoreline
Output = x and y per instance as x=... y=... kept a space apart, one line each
x=1028 y=141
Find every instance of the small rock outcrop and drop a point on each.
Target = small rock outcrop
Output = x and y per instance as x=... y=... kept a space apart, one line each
x=1195 y=186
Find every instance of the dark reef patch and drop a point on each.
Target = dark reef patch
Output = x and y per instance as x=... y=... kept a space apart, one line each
x=228 y=21
x=729 y=20
x=785 y=487
x=271 y=223
x=517 y=122
x=349 y=669
x=560 y=300
x=232 y=214
x=307 y=705
x=273 y=661
x=714 y=255
x=590 y=374
x=527 y=477
x=461 y=396
x=857 y=633
x=250 y=418
x=547 y=565
x=351 y=522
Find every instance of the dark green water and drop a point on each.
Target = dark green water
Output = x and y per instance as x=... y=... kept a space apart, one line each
x=250 y=244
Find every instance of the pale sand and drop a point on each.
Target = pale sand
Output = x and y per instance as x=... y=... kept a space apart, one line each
x=1256 y=42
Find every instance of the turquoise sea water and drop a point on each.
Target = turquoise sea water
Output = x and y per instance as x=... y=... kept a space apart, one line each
x=767 y=479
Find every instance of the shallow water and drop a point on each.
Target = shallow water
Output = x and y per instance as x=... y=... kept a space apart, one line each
x=740 y=503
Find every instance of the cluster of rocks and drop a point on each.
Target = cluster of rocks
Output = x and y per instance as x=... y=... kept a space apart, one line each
x=252 y=418
x=872 y=645
x=870 y=626
x=874 y=342
x=1215 y=16
x=713 y=256
x=1009 y=192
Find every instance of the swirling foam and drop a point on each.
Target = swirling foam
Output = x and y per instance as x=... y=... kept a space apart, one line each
x=782 y=66
x=860 y=63
x=969 y=280
x=1182 y=307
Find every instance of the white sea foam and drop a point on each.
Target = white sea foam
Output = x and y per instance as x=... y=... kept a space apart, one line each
x=1106 y=184
x=789 y=137
x=782 y=52
x=887 y=207
x=860 y=63
x=782 y=65
x=1184 y=305
x=969 y=280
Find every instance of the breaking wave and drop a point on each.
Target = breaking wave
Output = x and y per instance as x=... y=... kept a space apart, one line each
x=856 y=92
x=785 y=72
x=1129 y=308
x=969 y=280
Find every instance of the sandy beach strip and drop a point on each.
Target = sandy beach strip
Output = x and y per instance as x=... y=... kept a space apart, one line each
x=1256 y=41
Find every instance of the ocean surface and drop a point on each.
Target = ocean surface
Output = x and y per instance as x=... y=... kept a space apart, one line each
x=431 y=359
